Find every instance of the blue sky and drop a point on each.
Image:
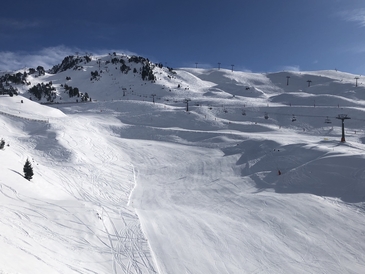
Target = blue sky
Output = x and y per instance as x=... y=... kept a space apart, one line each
x=254 y=35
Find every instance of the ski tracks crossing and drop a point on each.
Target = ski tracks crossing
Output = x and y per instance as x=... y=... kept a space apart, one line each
x=91 y=167
x=108 y=188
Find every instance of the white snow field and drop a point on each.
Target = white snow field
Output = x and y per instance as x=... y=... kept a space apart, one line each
x=123 y=184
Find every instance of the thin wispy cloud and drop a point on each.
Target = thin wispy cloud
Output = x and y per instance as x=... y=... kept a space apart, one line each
x=241 y=68
x=18 y=24
x=106 y=51
x=290 y=68
x=46 y=57
x=357 y=16
x=359 y=48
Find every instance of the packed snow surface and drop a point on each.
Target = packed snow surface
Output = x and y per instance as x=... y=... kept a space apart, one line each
x=123 y=184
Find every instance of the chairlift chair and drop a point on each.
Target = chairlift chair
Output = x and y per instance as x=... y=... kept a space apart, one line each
x=327 y=120
x=266 y=116
x=293 y=119
x=243 y=112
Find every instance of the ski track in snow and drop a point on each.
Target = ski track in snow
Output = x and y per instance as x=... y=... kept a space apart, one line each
x=126 y=241
x=95 y=180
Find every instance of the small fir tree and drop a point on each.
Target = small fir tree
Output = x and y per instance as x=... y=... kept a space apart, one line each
x=28 y=170
x=2 y=143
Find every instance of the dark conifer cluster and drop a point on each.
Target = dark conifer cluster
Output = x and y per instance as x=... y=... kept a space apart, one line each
x=70 y=62
x=44 y=90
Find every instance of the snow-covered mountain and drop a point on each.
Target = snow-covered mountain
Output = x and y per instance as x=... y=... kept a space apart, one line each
x=141 y=168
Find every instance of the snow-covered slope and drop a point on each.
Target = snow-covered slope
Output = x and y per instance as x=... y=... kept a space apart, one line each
x=123 y=184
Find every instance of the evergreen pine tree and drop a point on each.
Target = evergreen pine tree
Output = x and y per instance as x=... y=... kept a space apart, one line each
x=2 y=143
x=28 y=170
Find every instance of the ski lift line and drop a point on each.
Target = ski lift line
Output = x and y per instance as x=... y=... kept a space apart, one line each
x=227 y=108
x=297 y=115
x=273 y=113
x=316 y=105
x=245 y=113
x=301 y=115
x=283 y=114
x=312 y=116
x=284 y=106
x=357 y=119
x=259 y=105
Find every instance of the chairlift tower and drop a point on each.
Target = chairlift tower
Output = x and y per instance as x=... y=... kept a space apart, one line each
x=356 y=78
x=219 y=66
x=309 y=83
x=99 y=62
x=186 y=101
x=343 y=117
x=287 y=80
x=153 y=97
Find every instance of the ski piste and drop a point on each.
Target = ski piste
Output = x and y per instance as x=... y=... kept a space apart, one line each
x=133 y=183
